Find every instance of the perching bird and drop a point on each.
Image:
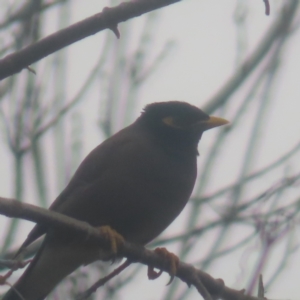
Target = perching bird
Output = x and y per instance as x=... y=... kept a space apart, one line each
x=136 y=182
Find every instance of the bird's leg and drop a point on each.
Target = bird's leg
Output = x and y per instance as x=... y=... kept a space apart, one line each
x=171 y=263
x=115 y=239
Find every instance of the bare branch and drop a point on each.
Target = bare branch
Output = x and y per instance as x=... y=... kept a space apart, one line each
x=134 y=253
x=107 y=19
x=103 y=280
x=267 y=5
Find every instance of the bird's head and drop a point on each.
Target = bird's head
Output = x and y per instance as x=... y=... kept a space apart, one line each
x=178 y=124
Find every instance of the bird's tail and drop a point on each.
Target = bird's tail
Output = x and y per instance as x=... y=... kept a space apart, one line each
x=52 y=263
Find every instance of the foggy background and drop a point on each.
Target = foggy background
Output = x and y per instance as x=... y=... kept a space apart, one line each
x=226 y=57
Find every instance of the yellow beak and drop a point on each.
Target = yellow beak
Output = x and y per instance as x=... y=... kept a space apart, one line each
x=213 y=122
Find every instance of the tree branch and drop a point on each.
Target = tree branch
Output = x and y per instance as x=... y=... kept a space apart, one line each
x=134 y=253
x=107 y=19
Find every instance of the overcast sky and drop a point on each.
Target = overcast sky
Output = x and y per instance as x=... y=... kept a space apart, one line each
x=208 y=46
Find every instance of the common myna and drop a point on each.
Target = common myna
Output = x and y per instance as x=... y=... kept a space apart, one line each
x=136 y=182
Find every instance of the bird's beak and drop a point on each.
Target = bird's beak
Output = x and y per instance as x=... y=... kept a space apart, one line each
x=213 y=122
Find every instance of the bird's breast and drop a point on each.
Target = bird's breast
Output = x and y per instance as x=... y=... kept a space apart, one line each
x=156 y=187
x=137 y=188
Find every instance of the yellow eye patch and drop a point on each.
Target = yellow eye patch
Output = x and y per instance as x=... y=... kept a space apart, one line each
x=170 y=122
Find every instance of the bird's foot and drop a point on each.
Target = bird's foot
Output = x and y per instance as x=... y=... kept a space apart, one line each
x=116 y=240
x=171 y=263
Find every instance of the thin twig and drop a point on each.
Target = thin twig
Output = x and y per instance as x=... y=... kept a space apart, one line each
x=102 y=281
x=267 y=5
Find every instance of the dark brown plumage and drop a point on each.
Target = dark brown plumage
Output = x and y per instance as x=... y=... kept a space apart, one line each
x=137 y=182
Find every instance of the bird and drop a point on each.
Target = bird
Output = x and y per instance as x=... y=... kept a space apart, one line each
x=136 y=182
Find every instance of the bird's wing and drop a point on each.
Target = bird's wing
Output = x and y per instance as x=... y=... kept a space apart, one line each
x=91 y=168
x=96 y=164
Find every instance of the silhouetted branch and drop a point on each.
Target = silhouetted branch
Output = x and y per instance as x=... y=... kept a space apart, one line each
x=103 y=280
x=267 y=6
x=134 y=253
x=109 y=18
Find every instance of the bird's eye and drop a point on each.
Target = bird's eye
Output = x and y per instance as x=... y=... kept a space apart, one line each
x=170 y=121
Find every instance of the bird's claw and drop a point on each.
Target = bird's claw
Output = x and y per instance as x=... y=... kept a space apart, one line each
x=115 y=239
x=152 y=274
x=171 y=263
